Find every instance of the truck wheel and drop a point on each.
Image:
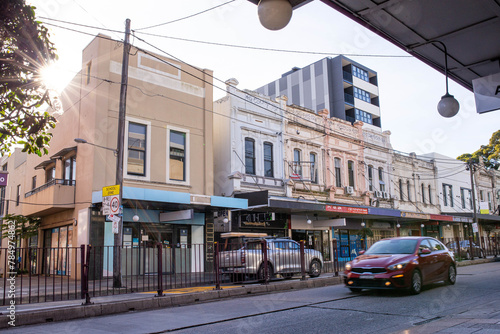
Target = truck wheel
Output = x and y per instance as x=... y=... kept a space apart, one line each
x=261 y=274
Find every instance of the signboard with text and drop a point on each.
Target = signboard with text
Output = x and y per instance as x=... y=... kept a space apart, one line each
x=3 y=179
x=111 y=191
x=346 y=209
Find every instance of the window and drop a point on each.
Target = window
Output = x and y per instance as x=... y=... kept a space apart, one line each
x=314 y=174
x=297 y=168
x=136 y=161
x=33 y=182
x=350 y=169
x=177 y=155
x=381 y=178
x=363 y=116
x=408 y=189
x=3 y=203
x=268 y=160
x=50 y=174
x=401 y=192
x=359 y=73
x=430 y=195
x=362 y=95
x=447 y=195
x=249 y=156
x=18 y=194
x=338 y=173
x=489 y=201
x=466 y=197
x=89 y=66
x=481 y=195
x=422 y=190
x=370 y=178
x=70 y=171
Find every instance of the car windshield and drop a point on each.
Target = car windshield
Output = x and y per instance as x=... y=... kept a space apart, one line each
x=393 y=246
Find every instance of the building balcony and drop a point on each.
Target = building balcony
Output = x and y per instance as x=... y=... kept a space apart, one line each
x=55 y=195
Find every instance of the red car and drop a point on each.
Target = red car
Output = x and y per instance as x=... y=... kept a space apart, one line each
x=401 y=263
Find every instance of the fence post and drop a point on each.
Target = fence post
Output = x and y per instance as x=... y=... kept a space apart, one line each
x=302 y=260
x=335 y=258
x=216 y=266
x=264 y=257
x=85 y=258
x=495 y=244
x=160 y=270
x=457 y=250
x=471 y=249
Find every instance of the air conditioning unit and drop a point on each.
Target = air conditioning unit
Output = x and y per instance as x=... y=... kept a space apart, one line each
x=377 y=194
x=349 y=190
x=386 y=195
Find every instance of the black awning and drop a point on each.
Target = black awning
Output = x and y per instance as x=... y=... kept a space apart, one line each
x=63 y=152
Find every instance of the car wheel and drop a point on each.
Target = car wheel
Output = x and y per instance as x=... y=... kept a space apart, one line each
x=416 y=283
x=482 y=254
x=467 y=256
x=314 y=268
x=261 y=274
x=355 y=290
x=452 y=275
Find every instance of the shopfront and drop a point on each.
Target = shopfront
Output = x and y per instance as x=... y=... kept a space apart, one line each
x=271 y=223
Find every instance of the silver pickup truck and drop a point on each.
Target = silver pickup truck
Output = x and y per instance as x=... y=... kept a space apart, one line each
x=283 y=258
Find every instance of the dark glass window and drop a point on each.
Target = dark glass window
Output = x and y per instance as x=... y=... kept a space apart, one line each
x=350 y=169
x=249 y=156
x=314 y=172
x=268 y=160
x=359 y=73
x=363 y=116
x=401 y=192
x=370 y=178
x=177 y=161
x=338 y=173
x=136 y=161
x=362 y=95
x=70 y=171
x=297 y=167
x=381 y=179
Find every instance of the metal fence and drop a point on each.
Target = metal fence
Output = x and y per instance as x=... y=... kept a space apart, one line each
x=34 y=275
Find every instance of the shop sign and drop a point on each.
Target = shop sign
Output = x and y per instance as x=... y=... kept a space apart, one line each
x=443 y=218
x=461 y=219
x=266 y=220
x=346 y=209
x=3 y=179
x=414 y=215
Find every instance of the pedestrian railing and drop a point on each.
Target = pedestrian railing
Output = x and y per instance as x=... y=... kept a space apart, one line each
x=34 y=275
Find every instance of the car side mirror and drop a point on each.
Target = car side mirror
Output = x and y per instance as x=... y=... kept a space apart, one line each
x=425 y=251
x=361 y=252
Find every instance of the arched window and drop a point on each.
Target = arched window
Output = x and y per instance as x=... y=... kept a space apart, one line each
x=268 y=160
x=408 y=187
x=338 y=172
x=350 y=170
x=401 y=192
x=249 y=156
x=297 y=167
x=381 y=178
x=370 y=178
x=430 y=195
x=423 y=193
x=314 y=167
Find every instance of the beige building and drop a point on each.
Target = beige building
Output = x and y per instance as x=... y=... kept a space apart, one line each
x=168 y=184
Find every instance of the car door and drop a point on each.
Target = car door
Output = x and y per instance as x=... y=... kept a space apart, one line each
x=426 y=261
x=441 y=264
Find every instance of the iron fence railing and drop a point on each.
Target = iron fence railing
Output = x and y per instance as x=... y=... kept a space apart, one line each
x=34 y=275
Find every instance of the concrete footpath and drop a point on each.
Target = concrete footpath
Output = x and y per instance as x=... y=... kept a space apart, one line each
x=29 y=314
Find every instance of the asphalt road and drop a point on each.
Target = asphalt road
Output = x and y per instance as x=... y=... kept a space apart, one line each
x=332 y=309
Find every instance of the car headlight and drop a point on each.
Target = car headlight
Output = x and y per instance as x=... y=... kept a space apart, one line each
x=398 y=266
x=348 y=266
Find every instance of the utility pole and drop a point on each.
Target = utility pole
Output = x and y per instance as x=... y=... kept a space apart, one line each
x=473 y=190
x=117 y=275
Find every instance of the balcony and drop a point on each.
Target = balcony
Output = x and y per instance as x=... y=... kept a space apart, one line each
x=55 y=195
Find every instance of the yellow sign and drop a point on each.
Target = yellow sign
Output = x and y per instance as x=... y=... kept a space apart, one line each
x=111 y=191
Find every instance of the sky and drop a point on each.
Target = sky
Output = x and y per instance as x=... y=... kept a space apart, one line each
x=409 y=90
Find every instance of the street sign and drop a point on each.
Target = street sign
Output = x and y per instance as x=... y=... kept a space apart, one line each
x=106 y=205
x=111 y=191
x=114 y=205
x=3 y=179
x=115 y=227
x=113 y=218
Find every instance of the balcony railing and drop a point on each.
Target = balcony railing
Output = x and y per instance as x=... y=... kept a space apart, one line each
x=349 y=99
x=50 y=184
x=347 y=76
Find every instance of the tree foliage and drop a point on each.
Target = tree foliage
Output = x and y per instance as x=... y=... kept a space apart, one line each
x=487 y=154
x=25 y=49
x=23 y=227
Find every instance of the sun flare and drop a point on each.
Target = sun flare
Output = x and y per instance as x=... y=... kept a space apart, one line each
x=54 y=77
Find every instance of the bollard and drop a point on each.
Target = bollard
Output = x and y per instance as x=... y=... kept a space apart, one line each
x=160 y=270
x=216 y=266
x=265 y=261
x=471 y=249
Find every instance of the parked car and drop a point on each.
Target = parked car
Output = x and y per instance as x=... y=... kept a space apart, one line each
x=283 y=258
x=465 y=251
x=401 y=263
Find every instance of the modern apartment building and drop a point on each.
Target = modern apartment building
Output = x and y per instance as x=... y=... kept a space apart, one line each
x=346 y=88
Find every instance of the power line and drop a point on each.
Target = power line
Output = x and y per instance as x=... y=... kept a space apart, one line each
x=186 y=17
